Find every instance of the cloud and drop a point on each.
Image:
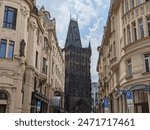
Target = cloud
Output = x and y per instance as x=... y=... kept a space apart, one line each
x=85 y=12
x=91 y=15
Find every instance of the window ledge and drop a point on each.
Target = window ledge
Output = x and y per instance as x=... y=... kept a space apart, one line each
x=135 y=42
x=8 y=59
x=145 y=73
x=127 y=77
x=9 y=29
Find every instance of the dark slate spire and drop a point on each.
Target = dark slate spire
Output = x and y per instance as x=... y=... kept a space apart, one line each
x=73 y=35
x=90 y=44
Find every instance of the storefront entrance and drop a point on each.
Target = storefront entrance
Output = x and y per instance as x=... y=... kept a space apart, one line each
x=80 y=107
x=39 y=103
x=140 y=101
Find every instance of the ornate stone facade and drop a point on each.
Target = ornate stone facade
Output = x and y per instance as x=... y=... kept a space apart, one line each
x=124 y=58
x=28 y=47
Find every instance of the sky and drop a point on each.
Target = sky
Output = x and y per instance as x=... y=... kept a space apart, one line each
x=91 y=16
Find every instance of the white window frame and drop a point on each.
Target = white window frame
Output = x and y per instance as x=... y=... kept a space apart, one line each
x=146 y=58
x=148 y=22
x=139 y=2
x=7 y=48
x=132 y=4
x=126 y=6
x=141 y=24
x=134 y=31
x=129 y=34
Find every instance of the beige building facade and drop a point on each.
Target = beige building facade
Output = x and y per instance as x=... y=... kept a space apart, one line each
x=31 y=61
x=124 y=58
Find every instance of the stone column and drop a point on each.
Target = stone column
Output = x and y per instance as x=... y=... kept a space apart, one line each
x=148 y=101
x=12 y=100
x=28 y=88
x=115 y=106
x=131 y=32
x=145 y=27
x=137 y=29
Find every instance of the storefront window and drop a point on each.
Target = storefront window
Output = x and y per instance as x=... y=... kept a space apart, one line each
x=140 y=101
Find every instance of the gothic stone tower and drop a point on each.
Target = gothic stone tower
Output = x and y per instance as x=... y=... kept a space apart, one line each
x=77 y=72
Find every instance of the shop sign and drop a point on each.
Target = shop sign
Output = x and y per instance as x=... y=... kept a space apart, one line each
x=129 y=94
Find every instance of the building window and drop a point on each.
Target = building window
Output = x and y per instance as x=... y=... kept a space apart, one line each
x=124 y=36
x=147 y=62
x=51 y=82
x=132 y=4
x=140 y=101
x=148 y=25
x=113 y=23
x=129 y=68
x=134 y=31
x=44 y=66
x=38 y=35
x=114 y=50
x=10 y=17
x=141 y=28
x=3 y=46
x=4 y=49
x=35 y=83
x=36 y=59
x=75 y=29
x=139 y=2
x=11 y=49
x=3 y=96
x=129 y=34
x=122 y=8
x=45 y=91
x=126 y=5
x=52 y=67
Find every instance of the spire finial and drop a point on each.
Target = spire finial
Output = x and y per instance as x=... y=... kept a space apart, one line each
x=89 y=43
x=70 y=16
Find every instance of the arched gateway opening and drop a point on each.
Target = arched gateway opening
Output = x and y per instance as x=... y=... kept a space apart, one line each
x=80 y=107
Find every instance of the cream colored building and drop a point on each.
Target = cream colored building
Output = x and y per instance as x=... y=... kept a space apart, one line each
x=124 y=58
x=30 y=58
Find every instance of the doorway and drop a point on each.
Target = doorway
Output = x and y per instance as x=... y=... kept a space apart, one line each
x=2 y=108
x=140 y=101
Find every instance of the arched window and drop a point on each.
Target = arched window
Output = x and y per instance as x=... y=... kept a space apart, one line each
x=3 y=96
x=3 y=102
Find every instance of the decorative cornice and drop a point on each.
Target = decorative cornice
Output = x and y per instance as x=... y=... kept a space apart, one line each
x=12 y=76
